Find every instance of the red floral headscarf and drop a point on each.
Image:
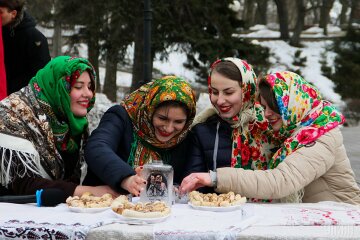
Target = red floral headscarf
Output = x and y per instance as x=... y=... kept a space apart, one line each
x=250 y=148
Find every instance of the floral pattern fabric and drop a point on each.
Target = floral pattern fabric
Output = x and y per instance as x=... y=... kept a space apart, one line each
x=305 y=115
x=141 y=105
x=52 y=86
x=251 y=142
x=40 y=113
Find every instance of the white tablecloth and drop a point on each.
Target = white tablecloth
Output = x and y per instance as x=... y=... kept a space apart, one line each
x=326 y=220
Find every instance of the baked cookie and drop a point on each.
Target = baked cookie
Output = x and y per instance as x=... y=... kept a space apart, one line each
x=157 y=209
x=214 y=200
x=88 y=200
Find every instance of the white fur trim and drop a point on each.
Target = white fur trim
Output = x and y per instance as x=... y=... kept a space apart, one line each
x=204 y=115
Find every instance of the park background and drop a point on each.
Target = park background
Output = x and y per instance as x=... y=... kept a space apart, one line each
x=319 y=39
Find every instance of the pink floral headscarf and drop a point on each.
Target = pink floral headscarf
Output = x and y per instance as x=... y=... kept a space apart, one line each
x=305 y=115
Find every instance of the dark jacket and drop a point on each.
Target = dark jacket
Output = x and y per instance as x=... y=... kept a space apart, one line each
x=108 y=149
x=203 y=142
x=26 y=51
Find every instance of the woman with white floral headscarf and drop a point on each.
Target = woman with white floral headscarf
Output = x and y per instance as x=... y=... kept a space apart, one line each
x=231 y=133
x=311 y=164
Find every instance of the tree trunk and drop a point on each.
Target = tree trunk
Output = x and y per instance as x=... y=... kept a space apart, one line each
x=93 y=55
x=324 y=14
x=138 y=70
x=283 y=18
x=344 y=8
x=315 y=10
x=295 y=39
x=57 y=40
x=249 y=13
x=355 y=13
x=261 y=12
x=93 y=46
x=110 y=87
x=292 y=14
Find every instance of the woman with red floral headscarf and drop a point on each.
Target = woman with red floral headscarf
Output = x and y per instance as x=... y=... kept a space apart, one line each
x=230 y=134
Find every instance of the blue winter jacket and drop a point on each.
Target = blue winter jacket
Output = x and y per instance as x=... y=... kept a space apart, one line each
x=203 y=145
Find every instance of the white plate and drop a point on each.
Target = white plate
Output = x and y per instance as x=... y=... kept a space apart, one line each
x=216 y=209
x=88 y=210
x=141 y=221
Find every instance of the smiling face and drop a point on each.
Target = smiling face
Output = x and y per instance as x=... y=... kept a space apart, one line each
x=226 y=95
x=81 y=93
x=168 y=121
x=273 y=117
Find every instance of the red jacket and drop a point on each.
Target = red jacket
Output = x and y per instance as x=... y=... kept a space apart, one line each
x=3 y=86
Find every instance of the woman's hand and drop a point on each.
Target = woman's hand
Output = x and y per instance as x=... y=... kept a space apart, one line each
x=133 y=184
x=195 y=181
x=138 y=170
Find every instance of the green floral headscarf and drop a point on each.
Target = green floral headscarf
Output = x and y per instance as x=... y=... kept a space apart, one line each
x=52 y=86
x=141 y=105
x=40 y=116
x=305 y=115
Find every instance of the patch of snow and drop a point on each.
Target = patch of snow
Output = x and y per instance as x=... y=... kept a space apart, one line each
x=258 y=27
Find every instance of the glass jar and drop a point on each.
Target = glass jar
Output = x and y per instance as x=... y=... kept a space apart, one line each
x=159 y=182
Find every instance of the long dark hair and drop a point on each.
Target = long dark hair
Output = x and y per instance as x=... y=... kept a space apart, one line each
x=173 y=103
x=267 y=93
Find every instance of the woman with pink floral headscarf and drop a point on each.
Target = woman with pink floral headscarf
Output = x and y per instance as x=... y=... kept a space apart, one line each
x=311 y=164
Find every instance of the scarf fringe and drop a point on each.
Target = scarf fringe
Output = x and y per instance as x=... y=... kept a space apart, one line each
x=296 y=197
x=247 y=116
x=11 y=158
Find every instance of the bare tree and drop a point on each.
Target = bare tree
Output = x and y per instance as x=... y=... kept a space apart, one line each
x=283 y=18
x=315 y=5
x=57 y=38
x=355 y=13
x=112 y=59
x=261 y=12
x=138 y=70
x=249 y=7
x=344 y=7
x=324 y=14
x=295 y=39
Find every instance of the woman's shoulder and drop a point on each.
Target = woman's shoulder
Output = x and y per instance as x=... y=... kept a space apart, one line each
x=117 y=111
x=333 y=137
x=209 y=123
x=117 y=116
x=326 y=144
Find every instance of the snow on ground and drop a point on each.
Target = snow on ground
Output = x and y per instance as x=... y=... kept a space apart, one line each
x=283 y=57
x=262 y=31
x=174 y=65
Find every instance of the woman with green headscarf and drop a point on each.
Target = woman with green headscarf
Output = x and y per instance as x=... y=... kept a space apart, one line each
x=149 y=124
x=43 y=127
